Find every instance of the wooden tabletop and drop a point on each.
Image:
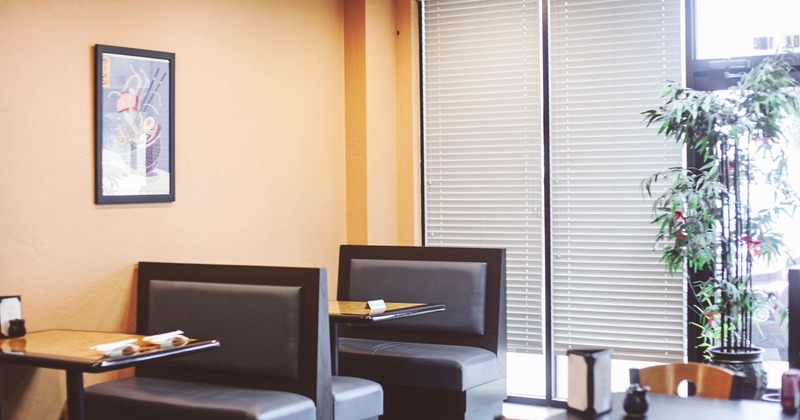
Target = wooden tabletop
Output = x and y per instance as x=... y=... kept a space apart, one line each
x=71 y=349
x=355 y=311
x=668 y=407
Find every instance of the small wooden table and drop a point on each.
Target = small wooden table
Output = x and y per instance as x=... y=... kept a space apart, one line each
x=70 y=350
x=357 y=312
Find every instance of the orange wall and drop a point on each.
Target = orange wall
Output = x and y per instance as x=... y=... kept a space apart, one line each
x=382 y=121
x=260 y=156
x=355 y=61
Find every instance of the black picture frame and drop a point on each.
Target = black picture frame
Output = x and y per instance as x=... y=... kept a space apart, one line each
x=134 y=125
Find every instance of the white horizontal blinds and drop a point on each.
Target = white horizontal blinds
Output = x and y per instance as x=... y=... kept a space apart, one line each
x=482 y=143
x=608 y=60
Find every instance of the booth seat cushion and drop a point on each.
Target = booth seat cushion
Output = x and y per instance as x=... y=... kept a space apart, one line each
x=356 y=398
x=440 y=366
x=150 y=398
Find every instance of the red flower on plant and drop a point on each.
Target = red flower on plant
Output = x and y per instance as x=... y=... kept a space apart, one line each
x=767 y=139
x=752 y=244
x=680 y=235
x=679 y=216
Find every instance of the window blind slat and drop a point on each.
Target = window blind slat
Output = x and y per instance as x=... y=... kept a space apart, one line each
x=608 y=60
x=483 y=148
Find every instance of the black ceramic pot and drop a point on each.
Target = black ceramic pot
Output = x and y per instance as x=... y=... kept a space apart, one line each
x=636 y=401
x=747 y=362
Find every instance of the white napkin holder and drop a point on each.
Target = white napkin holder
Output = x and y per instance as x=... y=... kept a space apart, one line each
x=589 y=383
x=10 y=309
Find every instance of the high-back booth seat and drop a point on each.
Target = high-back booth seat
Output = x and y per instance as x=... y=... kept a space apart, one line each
x=450 y=364
x=274 y=357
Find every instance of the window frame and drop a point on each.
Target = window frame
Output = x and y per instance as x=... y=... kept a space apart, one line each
x=702 y=74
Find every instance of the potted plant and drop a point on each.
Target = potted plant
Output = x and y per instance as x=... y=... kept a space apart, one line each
x=716 y=219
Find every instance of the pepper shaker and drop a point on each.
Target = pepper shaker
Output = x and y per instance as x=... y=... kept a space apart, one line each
x=16 y=328
x=637 y=400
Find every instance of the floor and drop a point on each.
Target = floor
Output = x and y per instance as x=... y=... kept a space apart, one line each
x=528 y=412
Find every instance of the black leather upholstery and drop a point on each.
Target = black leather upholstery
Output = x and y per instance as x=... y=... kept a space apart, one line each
x=155 y=399
x=274 y=358
x=356 y=398
x=449 y=365
x=441 y=366
x=461 y=286
x=234 y=314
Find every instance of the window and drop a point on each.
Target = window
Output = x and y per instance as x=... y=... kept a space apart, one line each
x=608 y=60
x=729 y=37
x=486 y=152
x=483 y=148
x=734 y=28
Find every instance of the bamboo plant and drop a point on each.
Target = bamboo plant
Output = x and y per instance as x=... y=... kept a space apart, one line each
x=710 y=228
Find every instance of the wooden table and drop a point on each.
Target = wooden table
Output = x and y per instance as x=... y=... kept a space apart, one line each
x=357 y=312
x=69 y=350
x=667 y=407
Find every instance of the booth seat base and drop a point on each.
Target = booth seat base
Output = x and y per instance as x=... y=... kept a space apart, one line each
x=442 y=381
x=479 y=403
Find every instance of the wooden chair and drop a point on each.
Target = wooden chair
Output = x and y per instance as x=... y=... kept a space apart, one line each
x=704 y=380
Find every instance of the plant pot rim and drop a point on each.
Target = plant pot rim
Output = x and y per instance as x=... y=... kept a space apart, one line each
x=744 y=350
x=745 y=355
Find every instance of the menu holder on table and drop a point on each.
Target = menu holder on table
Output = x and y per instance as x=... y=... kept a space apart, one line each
x=376 y=306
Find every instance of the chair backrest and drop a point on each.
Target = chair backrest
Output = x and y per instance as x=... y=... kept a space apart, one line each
x=469 y=281
x=272 y=324
x=708 y=381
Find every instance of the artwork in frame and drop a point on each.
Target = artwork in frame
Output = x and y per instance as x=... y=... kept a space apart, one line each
x=134 y=125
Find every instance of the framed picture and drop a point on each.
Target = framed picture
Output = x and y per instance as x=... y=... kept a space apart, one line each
x=134 y=125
